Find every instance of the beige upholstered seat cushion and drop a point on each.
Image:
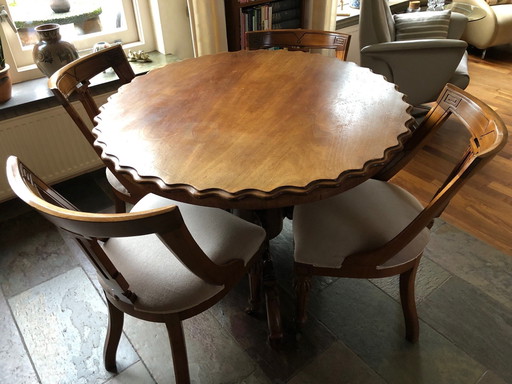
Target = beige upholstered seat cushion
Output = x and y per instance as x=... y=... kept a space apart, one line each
x=360 y=219
x=160 y=281
x=422 y=25
x=114 y=182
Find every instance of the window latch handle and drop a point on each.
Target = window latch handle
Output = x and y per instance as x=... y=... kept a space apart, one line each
x=4 y=16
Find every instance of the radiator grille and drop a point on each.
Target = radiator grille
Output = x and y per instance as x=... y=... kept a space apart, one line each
x=49 y=143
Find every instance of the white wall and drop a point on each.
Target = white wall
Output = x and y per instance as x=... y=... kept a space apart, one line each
x=172 y=27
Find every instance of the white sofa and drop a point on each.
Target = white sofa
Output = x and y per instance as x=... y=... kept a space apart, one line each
x=494 y=29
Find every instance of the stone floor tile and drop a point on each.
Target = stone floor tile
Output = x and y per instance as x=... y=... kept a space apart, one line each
x=476 y=323
x=31 y=252
x=337 y=365
x=430 y=276
x=63 y=322
x=214 y=357
x=15 y=365
x=474 y=261
x=84 y=262
x=257 y=377
x=135 y=374
x=251 y=332
x=370 y=323
x=490 y=377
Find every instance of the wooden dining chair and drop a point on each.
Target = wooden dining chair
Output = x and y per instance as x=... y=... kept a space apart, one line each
x=163 y=262
x=379 y=229
x=72 y=81
x=299 y=40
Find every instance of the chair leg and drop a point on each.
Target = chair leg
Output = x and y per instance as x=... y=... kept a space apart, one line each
x=408 y=300
x=178 y=350
x=302 y=288
x=255 y=281
x=119 y=204
x=114 y=331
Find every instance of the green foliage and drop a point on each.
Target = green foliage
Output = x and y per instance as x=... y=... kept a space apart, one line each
x=75 y=15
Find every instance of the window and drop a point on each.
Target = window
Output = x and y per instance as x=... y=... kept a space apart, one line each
x=86 y=23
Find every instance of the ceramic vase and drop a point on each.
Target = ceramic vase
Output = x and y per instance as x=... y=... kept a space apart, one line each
x=5 y=84
x=60 y=6
x=51 y=53
x=355 y=4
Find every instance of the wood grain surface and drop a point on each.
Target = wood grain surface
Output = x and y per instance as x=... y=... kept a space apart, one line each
x=483 y=207
x=253 y=129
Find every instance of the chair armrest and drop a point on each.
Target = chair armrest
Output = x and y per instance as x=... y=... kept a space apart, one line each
x=481 y=33
x=458 y=23
x=420 y=68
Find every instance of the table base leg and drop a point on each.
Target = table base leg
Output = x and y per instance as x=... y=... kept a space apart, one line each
x=271 y=220
x=272 y=304
x=255 y=281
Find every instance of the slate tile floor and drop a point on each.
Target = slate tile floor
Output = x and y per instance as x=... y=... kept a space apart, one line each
x=53 y=317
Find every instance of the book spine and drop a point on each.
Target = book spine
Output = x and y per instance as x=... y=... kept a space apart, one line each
x=285 y=4
x=287 y=24
x=289 y=14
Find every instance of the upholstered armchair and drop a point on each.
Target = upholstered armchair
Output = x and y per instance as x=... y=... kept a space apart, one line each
x=420 y=52
x=493 y=29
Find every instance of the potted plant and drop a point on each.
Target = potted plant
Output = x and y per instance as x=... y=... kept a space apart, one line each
x=5 y=79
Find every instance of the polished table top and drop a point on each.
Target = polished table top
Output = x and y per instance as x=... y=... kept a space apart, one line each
x=253 y=129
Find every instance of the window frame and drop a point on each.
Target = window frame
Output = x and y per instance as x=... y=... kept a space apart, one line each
x=138 y=14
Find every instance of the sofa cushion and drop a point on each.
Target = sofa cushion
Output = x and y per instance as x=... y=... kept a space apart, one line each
x=422 y=25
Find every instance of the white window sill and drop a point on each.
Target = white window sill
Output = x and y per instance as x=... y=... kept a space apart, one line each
x=34 y=95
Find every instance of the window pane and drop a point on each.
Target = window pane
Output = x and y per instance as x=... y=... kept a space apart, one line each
x=125 y=21
x=84 y=18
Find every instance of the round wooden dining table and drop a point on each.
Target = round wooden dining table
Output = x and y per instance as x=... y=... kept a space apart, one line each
x=253 y=130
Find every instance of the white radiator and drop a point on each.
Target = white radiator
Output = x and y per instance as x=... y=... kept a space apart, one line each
x=49 y=143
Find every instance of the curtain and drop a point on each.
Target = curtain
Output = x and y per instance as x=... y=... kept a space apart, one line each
x=208 y=22
x=208 y=26
x=321 y=14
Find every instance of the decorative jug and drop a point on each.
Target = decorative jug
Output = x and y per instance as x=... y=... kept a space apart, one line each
x=51 y=53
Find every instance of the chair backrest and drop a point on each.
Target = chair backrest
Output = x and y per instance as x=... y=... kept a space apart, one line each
x=299 y=40
x=487 y=136
x=90 y=229
x=73 y=80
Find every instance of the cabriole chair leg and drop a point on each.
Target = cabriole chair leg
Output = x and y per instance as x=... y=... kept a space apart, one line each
x=114 y=331
x=255 y=286
x=119 y=204
x=302 y=288
x=178 y=350
x=408 y=300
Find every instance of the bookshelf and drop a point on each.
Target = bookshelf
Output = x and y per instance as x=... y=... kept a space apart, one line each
x=251 y=15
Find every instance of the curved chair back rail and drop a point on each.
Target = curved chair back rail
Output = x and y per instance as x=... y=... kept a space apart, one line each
x=73 y=81
x=299 y=40
x=378 y=229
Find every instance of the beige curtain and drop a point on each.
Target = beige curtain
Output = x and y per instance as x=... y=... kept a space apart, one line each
x=208 y=26
x=208 y=22
x=321 y=14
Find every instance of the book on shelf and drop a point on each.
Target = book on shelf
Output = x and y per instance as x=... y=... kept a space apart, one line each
x=280 y=5
x=288 y=14
x=278 y=14
x=255 y=18
x=285 y=4
x=287 y=24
